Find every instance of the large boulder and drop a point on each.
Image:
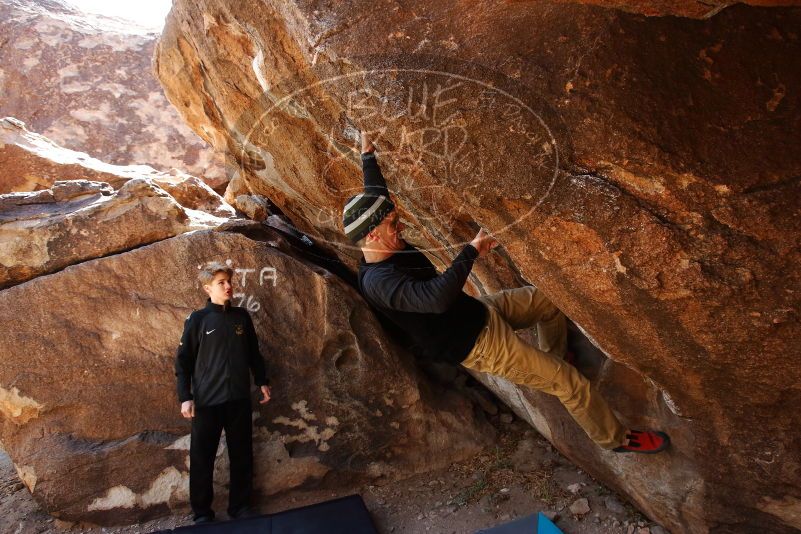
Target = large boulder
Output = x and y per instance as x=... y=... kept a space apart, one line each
x=642 y=171
x=44 y=231
x=32 y=162
x=85 y=81
x=193 y=193
x=88 y=410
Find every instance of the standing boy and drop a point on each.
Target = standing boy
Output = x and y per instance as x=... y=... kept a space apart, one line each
x=218 y=351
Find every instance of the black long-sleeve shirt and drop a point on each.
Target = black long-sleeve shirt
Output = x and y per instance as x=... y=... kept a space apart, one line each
x=374 y=182
x=219 y=349
x=442 y=320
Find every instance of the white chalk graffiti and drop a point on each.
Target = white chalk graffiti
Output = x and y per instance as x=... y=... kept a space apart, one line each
x=244 y=273
x=247 y=301
x=308 y=431
x=273 y=275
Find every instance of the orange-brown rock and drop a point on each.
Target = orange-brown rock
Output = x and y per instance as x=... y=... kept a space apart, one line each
x=193 y=193
x=73 y=221
x=254 y=206
x=88 y=410
x=31 y=162
x=85 y=81
x=679 y=8
x=63 y=209
x=642 y=171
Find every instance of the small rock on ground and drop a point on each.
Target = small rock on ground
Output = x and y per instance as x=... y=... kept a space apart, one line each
x=580 y=507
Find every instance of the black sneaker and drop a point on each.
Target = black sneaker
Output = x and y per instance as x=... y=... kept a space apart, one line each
x=242 y=513
x=204 y=519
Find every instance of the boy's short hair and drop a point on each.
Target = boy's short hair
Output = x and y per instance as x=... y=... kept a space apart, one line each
x=210 y=270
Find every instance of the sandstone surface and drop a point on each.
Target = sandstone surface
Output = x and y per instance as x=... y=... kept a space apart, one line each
x=31 y=162
x=642 y=171
x=73 y=221
x=88 y=410
x=85 y=81
x=679 y=8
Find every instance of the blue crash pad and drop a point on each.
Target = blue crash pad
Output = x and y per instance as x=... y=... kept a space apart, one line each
x=532 y=524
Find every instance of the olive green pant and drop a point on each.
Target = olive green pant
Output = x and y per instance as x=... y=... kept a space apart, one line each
x=499 y=351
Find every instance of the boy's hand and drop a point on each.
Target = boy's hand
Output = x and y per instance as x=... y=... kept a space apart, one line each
x=265 y=390
x=188 y=409
x=483 y=242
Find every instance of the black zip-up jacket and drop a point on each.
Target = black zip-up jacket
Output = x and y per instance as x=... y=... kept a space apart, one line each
x=218 y=351
x=443 y=321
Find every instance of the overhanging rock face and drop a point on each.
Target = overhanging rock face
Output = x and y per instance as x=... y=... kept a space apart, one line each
x=643 y=172
x=88 y=410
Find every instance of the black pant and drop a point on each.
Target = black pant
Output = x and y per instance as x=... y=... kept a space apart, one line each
x=207 y=425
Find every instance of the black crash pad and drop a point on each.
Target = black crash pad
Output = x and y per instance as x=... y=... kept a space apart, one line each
x=346 y=515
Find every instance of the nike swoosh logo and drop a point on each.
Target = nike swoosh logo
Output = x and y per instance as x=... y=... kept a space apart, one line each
x=210 y=331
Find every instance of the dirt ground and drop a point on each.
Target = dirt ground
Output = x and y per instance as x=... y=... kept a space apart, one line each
x=521 y=475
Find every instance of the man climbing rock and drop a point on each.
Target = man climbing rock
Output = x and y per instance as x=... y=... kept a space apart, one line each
x=447 y=324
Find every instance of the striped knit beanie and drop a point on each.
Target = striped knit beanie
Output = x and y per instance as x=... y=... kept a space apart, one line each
x=363 y=212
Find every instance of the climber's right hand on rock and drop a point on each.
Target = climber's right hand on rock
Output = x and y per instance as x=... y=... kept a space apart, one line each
x=367 y=143
x=483 y=242
x=188 y=409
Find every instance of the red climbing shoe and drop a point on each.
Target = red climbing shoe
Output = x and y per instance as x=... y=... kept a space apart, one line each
x=645 y=442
